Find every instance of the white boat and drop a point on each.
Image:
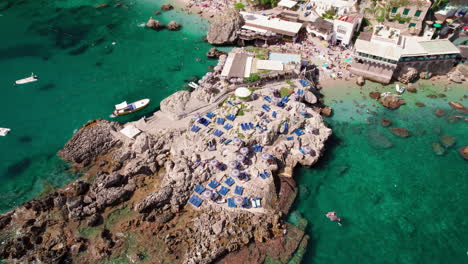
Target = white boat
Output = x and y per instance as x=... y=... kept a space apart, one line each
x=193 y=85
x=400 y=89
x=124 y=108
x=33 y=78
x=4 y=131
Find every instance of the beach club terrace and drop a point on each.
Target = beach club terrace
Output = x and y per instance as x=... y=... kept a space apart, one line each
x=263 y=23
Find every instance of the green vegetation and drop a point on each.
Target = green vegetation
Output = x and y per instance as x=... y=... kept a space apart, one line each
x=270 y=3
x=264 y=71
x=240 y=135
x=239 y=6
x=329 y=14
x=89 y=232
x=285 y=91
x=439 y=4
x=253 y=78
x=117 y=215
x=261 y=56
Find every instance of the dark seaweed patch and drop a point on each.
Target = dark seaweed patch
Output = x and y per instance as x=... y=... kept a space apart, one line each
x=17 y=168
x=79 y=50
x=25 y=139
x=46 y=87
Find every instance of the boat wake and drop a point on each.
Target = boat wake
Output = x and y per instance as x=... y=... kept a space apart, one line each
x=112 y=116
x=142 y=25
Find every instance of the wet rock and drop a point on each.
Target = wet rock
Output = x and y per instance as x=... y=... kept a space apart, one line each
x=154 y=24
x=420 y=104
x=447 y=141
x=459 y=107
x=463 y=151
x=409 y=74
x=214 y=53
x=441 y=95
x=386 y=122
x=326 y=111
x=360 y=81
x=374 y=95
x=173 y=25
x=439 y=112
x=438 y=149
x=456 y=76
x=431 y=96
x=167 y=7
x=391 y=101
x=400 y=132
x=411 y=88
x=223 y=30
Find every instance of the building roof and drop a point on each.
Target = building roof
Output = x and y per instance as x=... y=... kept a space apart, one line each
x=439 y=46
x=321 y=25
x=350 y=18
x=130 y=131
x=274 y=65
x=287 y=3
x=272 y=24
x=235 y=65
x=391 y=52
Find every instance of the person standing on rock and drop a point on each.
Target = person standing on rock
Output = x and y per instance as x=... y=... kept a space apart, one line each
x=334 y=217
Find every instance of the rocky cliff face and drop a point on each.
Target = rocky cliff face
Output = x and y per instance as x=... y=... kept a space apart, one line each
x=223 y=30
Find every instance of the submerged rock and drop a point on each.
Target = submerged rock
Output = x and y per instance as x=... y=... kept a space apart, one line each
x=154 y=24
x=411 y=88
x=439 y=112
x=386 y=122
x=438 y=149
x=223 y=30
x=447 y=141
x=214 y=53
x=391 y=101
x=374 y=95
x=419 y=104
x=400 y=132
x=463 y=151
x=173 y=25
x=167 y=7
x=459 y=107
x=377 y=140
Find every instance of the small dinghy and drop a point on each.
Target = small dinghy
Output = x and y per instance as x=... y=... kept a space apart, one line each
x=4 y=131
x=32 y=78
x=193 y=85
x=400 y=89
x=124 y=108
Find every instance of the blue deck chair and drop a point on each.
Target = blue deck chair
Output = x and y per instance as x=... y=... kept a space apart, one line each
x=213 y=184
x=220 y=121
x=285 y=99
x=195 y=128
x=299 y=132
x=251 y=125
x=199 y=189
x=242 y=126
x=239 y=190
x=210 y=115
x=300 y=92
x=267 y=98
x=195 y=200
x=224 y=190
x=218 y=133
x=231 y=203
x=266 y=174
x=257 y=148
x=231 y=117
x=280 y=104
x=290 y=138
x=230 y=103
x=227 y=126
x=266 y=108
x=273 y=114
x=229 y=181
x=261 y=175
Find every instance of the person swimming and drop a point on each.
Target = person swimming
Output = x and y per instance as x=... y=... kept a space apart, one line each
x=334 y=217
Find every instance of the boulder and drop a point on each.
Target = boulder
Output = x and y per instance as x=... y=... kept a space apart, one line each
x=310 y=97
x=326 y=111
x=218 y=227
x=458 y=107
x=463 y=151
x=408 y=75
x=173 y=25
x=391 y=101
x=155 y=200
x=419 y=104
x=154 y=24
x=438 y=149
x=81 y=187
x=360 y=81
x=214 y=53
x=94 y=220
x=400 y=132
x=167 y=7
x=386 y=122
x=447 y=141
x=456 y=76
x=141 y=143
x=411 y=88
x=175 y=104
x=223 y=30
x=374 y=95
x=425 y=75
x=439 y=112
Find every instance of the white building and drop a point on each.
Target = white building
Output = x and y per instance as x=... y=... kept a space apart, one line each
x=262 y=23
x=341 y=7
x=345 y=26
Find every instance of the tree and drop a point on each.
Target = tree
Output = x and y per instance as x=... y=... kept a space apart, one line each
x=239 y=6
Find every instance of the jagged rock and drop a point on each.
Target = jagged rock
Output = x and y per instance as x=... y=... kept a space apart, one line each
x=74 y=202
x=141 y=143
x=374 y=95
x=223 y=30
x=155 y=200
x=463 y=151
x=175 y=104
x=167 y=7
x=173 y=25
x=94 y=220
x=386 y=122
x=391 y=101
x=360 y=81
x=411 y=88
x=419 y=104
x=326 y=111
x=214 y=53
x=439 y=112
x=154 y=24
x=459 y=107
x=409 y=75
x=438 y=149
x=310 y=97
x=81 y=187
x=218 y=227
x=447 y=141
x=113 y=180
x=401 y=132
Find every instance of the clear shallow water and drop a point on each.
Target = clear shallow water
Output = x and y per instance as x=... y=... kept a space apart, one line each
x=68 y=44
x=401 y=204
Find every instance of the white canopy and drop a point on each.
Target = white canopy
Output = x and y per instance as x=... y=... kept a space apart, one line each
x=287 y=3
x=130 y=131
x=273 y=65
x=121 y=105
x=243 y=92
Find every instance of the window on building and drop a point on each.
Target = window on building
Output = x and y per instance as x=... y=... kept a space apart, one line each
x=406 y=11
x=394 y=9
x=418 y=13
x=412 y=24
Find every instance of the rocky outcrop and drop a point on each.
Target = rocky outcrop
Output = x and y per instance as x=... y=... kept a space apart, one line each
x=223 y=30
x=408 y=75
x=374 y=95
x=360 y=81
x=155 y=200
x=173 y=25
x=175 y=104
x=167 y=7
x=91 y=140
x=214 y=53
x=154 y=24
x=391 y=101
x=411 y=88
x=326 y=111
x=458 y=75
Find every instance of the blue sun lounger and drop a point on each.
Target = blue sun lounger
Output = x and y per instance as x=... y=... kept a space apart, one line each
x=267 y=98
x=195 y=128
x=231 y=117
x=218 y=133
x=227 y=126
x=246 y=203
x=251 y=126
x=257 y=148
x=261 y=175
x=300 y=92
x=231 y=203
x=266 y=174
x=273 y=114
x=204 y=121
x=220 y=121
x=213 y=184
x=290 y=138
x=304 y=83
x=266 y=108
x=199 y=189
x=229 y=181
x=195 y=200
x=230 y=103
x=285 y=99
x=224 y=190
x=299 y=132
x=239 y=190
x=210 y=115
x=280 y=104
x=243 y=126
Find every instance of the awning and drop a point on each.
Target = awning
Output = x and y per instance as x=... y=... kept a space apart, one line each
x=287 y=3
x=121 y=105
x=273 y=65
x=130 y=131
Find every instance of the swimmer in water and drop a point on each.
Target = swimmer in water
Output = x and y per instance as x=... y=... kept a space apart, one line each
x=334 y=217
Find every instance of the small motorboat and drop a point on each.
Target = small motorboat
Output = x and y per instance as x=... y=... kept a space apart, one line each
x=124 y=108
x=32 y=78
x=4 y=131
x=193 y=85
x=400 y=89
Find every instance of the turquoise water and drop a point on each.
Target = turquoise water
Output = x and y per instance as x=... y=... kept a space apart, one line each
x=400 y=203
x=68 y=44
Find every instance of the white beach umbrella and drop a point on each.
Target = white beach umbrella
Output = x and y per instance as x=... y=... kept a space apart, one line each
x=237 y=141
x=235 y=173
x=244 y=151
x=266 y=156
x=239 y=200
x=214 y=163
x=240 y=158
x=207 y=194
x=307 y=149
x=233 y=164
